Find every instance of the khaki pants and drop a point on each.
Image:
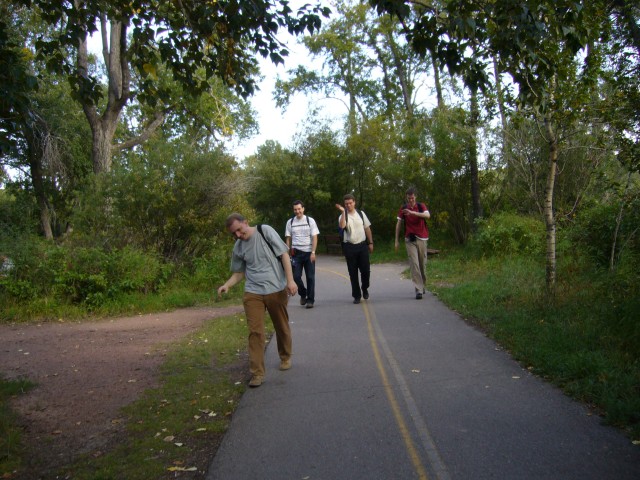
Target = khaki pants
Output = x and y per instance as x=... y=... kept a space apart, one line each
x=254 y=308
x=417 y=253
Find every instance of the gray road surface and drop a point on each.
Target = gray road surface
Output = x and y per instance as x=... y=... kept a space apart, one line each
x=398 y=388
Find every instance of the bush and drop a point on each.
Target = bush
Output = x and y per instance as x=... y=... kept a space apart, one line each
x=507 y=233
x=36 y=265
x=131 y=270
x=207 y=273
x=594 y=231
x=80 y=275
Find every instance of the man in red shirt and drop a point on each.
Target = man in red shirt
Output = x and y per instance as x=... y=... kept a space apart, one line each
x=414 y=215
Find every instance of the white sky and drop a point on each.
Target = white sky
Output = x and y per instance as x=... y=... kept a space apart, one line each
x=274 y=123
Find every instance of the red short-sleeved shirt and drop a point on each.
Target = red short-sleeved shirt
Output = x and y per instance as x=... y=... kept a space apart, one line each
x=414 y=224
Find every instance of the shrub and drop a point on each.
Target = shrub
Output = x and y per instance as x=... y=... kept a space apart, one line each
x=36 y=264
x=507 y=233
x=208 y=272
x=595 y=228
x=80 y=275
x=130 y=270
x=84 y=276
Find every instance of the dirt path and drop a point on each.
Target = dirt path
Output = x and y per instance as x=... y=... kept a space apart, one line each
x=86 y=372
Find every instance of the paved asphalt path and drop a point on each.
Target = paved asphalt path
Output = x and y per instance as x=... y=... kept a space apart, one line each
x=398 y=388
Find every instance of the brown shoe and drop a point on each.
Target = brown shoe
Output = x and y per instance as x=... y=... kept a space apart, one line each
x=256 y=381
x=285 y=364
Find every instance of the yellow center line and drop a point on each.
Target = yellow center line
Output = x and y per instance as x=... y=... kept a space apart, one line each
x=406 y=435
x=391 y=397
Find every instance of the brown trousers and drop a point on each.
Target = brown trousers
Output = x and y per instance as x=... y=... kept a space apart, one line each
x=254 y=308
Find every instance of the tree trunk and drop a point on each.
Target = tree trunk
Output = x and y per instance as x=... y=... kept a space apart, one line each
x=102 y=148
x=436 y=79
x=405 y=83
x=37 y=180
x=37 y=136
x=501 y=108
x=616 y=232
x=549 y=214
x=103 y=127
x=473 y=160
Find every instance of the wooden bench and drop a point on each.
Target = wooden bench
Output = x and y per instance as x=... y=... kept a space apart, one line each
x=332 y=243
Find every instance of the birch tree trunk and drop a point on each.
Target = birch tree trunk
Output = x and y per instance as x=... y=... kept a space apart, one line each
x=436 y=79
x=549 y=214
x=501 y=107
x=616 y=232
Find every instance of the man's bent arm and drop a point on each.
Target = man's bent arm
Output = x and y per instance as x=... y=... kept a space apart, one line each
x=235 y=278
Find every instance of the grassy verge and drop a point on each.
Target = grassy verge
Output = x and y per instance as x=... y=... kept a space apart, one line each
x=384 y=252
x=173 y=429
x=44 y=309
x=11 y=444
x=586 y=341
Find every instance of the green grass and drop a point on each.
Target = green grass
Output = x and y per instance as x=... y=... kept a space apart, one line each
x=585 y=340
x=176 y=425
x=49 y=309
x=11 y=445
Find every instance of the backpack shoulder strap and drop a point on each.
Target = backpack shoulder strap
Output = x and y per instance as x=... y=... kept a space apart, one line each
x=259 y=226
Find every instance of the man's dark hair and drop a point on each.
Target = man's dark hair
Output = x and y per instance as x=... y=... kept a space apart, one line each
x=232 y=218
x=297 y=202
x=411 y=191
x=348 y=196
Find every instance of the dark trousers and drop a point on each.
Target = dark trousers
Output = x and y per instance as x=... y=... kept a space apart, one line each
x=357 y=257
x=299 y=261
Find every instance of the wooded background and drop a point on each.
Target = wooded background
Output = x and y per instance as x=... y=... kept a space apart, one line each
x=116 y=163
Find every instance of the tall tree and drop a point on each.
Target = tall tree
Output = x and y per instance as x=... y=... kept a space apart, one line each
x=347 y=66
x=537 y=42
x=36 y=145
x=196 y=41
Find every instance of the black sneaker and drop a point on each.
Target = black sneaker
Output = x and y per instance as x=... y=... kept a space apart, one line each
x=356 y=300
x=418 y=296
x=303 y=300
x=309 y=304
x=365 y=293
